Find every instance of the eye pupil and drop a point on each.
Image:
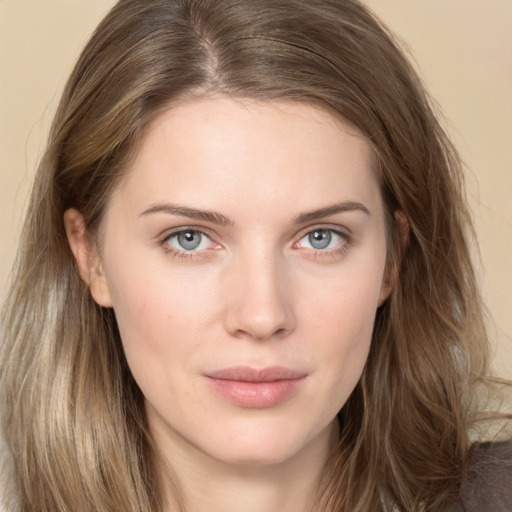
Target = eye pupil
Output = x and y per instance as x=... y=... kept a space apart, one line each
x=189 y=240
x=320 y=238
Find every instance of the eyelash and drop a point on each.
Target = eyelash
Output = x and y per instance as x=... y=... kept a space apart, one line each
x=337 y=251
x=315 y=253
x=182 y=254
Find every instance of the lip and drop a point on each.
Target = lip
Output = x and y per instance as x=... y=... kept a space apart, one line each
x=256 y=388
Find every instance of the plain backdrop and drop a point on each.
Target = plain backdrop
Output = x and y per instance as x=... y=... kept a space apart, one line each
x=462 y=49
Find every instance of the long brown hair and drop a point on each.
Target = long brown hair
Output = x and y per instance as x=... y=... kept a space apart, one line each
x=72 y=414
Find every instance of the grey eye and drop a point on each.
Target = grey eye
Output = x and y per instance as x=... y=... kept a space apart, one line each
x=189 y=240
x=320 y=238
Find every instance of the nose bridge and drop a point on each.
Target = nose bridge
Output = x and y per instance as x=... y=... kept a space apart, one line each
x=261 y=305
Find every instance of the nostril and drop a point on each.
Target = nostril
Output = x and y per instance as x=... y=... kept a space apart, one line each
x=279 y=333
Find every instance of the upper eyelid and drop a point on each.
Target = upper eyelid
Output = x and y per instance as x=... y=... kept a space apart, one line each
x=163 y=241
x=343 y=231
x=344 y=236
x=169 y=233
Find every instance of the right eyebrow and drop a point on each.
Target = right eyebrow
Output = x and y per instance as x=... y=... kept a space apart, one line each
x=191 y=213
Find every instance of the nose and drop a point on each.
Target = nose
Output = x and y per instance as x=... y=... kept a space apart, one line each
x=259 y=299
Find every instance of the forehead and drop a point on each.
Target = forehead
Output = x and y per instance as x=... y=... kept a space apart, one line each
x=253 y=151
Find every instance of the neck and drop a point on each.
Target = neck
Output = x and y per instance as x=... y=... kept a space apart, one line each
x=210 y=485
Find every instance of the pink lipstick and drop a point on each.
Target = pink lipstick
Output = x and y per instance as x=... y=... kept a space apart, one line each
x=258 y=389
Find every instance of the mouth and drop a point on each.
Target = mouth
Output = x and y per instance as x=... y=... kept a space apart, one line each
x=248 y=387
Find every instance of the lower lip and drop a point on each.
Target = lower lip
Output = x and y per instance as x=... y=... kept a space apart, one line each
x=255 y=395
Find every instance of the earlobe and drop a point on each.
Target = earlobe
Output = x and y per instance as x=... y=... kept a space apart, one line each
x=388 y=283
x=403 y=229
x=392 y=269
x=86 y=257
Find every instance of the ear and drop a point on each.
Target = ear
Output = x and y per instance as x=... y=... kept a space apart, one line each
x=391 y=272
x=403 y=230
x=86 y=257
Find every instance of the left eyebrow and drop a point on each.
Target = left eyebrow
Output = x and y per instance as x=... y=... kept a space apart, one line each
x=346 y=206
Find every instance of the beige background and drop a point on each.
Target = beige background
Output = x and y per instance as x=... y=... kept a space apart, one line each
x=463 y=49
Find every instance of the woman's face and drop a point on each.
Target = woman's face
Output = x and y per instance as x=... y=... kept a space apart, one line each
x=245 y=257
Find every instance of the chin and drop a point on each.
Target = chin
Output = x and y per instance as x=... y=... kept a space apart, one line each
x=266 y=445
x=255 y=456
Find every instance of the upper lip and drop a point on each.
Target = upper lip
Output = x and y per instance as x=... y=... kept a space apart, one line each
x=249 y=374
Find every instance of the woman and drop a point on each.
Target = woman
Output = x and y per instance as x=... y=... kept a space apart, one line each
x=244 y=279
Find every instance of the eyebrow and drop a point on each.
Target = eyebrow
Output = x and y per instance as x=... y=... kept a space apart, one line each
x=191 y=213
x=222 y=220
x=346 y=206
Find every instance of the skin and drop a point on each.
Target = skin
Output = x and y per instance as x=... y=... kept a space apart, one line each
x=255 y=292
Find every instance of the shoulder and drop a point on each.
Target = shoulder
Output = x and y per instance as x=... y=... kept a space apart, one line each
x=487 y=486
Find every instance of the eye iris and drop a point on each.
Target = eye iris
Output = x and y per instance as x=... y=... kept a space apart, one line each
x=189 y=240
x=320 y=239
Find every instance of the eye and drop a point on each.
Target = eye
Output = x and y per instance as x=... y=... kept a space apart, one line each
x=188 y=240
x=322 y=239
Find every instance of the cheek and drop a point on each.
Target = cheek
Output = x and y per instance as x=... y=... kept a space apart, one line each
x=350 y=325
x=341 y=319
x=344 y=358
x=345 y=301
x=161 y=310
x=159 y=336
